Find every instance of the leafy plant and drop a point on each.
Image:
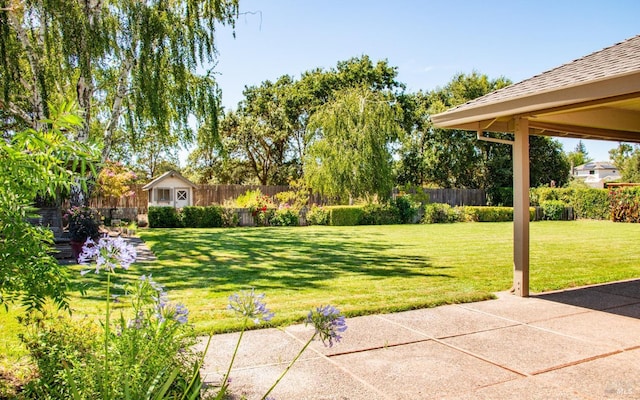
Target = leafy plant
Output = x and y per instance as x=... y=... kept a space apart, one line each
x=284 y=216
x=36 y=163
x=318 y=215
x=114 y=182
x=437 y=213
x=625 y=205
x=552 y=209
x=83 y=223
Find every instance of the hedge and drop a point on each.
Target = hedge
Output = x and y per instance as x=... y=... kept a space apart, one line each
x=163 y=217
x=624 y=204
x=345 y=215
x=439 y=213
x=589 y=203
x=187 y=217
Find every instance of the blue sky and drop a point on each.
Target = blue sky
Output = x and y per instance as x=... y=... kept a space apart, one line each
x=429 y=41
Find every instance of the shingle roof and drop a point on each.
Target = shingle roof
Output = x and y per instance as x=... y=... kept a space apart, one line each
x=596 y=165
x=168 y=174
x=617 y=60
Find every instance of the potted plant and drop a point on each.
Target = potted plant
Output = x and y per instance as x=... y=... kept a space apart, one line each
x=83 y=224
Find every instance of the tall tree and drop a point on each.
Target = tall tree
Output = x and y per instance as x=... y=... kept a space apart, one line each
x=579 y=155
x=129 y=63
x=627 y=159
x=350 y=136
x=266 y=135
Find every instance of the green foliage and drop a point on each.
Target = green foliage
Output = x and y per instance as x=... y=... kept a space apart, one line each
x=627 y=159
x=318 y=215
x=591 y=203
x=230 y=218
x=349 y=138
x=297 y=198
x=625 y=204
x=109 y=54
x=379 y=214
x=437 y=213
x=588 y=203
x=407 y=208
x=552 y=209
x=579 y=155
x=34 y=163
x=285 y=216
x=492 y=214
x=147 y=347
x=500 y=196
x=201 y=217
x=83 y=223
x=53 y=341
x=163 y=217
x=345 y=215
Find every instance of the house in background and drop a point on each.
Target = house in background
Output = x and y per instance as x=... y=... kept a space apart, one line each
x=595 y=174
x=170 y=190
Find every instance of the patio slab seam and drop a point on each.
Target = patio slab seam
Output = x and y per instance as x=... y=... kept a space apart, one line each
x=340 y=367
x=459 y=349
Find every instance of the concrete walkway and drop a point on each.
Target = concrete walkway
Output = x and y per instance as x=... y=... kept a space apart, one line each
x=575 y=344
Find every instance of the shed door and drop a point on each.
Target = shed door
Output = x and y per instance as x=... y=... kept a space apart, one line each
x=182 y=197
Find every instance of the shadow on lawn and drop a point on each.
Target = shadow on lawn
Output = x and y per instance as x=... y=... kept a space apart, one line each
x=294 y=257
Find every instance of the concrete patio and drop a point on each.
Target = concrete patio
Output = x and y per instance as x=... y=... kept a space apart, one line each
x=576 y=344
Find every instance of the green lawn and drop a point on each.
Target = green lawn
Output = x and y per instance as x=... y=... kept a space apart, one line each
x=365 y=269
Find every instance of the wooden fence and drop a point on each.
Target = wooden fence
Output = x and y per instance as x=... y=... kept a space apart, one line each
x=458 y=197
x=205 y=195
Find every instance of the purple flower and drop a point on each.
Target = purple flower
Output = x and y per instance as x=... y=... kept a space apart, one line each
x=329 y=323
x=107 y=253
x=248 y=304
x=181 y=314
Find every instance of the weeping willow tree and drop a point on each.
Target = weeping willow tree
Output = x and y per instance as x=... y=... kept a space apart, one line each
x=349 y=151
x=130 y=64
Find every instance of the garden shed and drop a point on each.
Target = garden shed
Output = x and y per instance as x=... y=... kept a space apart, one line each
x=170 y=190
x=594 y=97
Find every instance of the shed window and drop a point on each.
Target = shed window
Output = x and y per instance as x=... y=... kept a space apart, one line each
x=163 y=194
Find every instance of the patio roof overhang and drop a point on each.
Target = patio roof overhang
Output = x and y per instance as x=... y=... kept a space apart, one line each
x=594 y=97
x=605 y=109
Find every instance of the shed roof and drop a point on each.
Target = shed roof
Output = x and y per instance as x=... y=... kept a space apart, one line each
x=594 y=97
x=168 y=174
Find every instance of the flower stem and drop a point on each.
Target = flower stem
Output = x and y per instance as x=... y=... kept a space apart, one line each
x=106 y=378
x=289 y=367
x=235 y=352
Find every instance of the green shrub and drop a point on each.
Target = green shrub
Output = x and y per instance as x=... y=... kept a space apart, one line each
x=285 y=216
x=212 y=217
x=492 y=214
x=407 y=209
x=50 y=341
x=552 y=209
x=192 y=217
x=318 y=215
x=625 y=204
x=379 y=214
x=345 y=215
x=230 y=218
x=591 y=203
x=163 y=217
x=500 y=196
x=437 y=213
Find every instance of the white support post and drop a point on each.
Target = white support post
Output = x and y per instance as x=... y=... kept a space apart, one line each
x=521 y=208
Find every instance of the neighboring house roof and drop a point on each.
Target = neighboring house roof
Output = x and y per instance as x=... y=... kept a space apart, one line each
x=593 y=97
x=168 y=174
x=595 y=165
